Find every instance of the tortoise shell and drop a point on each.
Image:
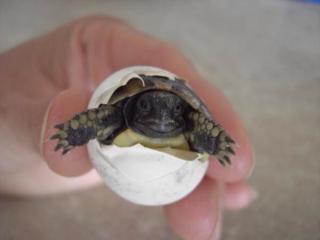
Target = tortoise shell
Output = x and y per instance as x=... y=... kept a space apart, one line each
x=177 y=86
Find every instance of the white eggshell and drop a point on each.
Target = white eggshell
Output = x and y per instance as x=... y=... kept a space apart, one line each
x=139 y=174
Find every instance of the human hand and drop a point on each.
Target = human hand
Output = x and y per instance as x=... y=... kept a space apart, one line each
x=47 y=80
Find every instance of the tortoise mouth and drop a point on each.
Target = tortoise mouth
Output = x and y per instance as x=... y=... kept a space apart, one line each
x=156 y=128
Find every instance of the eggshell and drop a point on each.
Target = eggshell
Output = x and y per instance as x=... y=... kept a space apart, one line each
x=139 y=174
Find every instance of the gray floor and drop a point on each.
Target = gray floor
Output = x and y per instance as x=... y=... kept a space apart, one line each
x=264 y=55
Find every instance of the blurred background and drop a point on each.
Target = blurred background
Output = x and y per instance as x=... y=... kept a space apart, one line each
x=264 y=55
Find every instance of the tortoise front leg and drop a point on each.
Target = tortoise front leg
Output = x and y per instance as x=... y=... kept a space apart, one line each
x=204 y=135
x=97 y=123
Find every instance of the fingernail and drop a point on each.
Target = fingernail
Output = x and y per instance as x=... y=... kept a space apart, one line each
x=44 y=127
x=216 y=232
x=253 y=197
x=254 y=194
x=253 y=164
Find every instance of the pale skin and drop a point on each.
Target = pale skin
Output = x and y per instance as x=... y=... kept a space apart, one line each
x=49 y=79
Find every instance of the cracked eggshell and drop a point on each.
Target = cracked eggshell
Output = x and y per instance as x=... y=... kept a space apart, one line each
x=139 y=174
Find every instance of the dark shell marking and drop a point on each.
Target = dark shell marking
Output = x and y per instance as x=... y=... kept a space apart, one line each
x=107 y=121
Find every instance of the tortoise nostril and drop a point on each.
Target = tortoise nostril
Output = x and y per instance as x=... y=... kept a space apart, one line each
x=164 y=115
x=144 y=105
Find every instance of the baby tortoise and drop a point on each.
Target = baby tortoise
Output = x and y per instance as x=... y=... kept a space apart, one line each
x=160 y=112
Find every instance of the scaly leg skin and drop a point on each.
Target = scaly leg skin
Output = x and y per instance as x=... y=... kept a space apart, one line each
x=98 y=123
x=209 y=137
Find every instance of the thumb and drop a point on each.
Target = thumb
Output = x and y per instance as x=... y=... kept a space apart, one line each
x=48 y=76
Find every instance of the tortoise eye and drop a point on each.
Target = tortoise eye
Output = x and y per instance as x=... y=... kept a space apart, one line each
x=178 y=108
x=144 y=105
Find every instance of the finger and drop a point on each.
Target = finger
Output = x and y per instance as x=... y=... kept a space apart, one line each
x=195 y=216
x=238 y=195
x=62 y=108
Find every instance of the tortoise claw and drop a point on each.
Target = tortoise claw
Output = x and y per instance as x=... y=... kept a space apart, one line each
x=62 y=137
x=55 y=136
x=230 y=150
x=66 y=150
x=59 y=126
x=223 y=158
x=229 y=140
x=58 y=146
x=222 y=162
x=224 y=149
x=227 y=159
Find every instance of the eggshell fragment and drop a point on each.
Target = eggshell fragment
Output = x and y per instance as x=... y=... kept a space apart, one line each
x=137 y=173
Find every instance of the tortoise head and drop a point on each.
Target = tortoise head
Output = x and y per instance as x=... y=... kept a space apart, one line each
x=156 y=114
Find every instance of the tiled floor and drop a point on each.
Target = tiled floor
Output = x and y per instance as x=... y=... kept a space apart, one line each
x=264 y=55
